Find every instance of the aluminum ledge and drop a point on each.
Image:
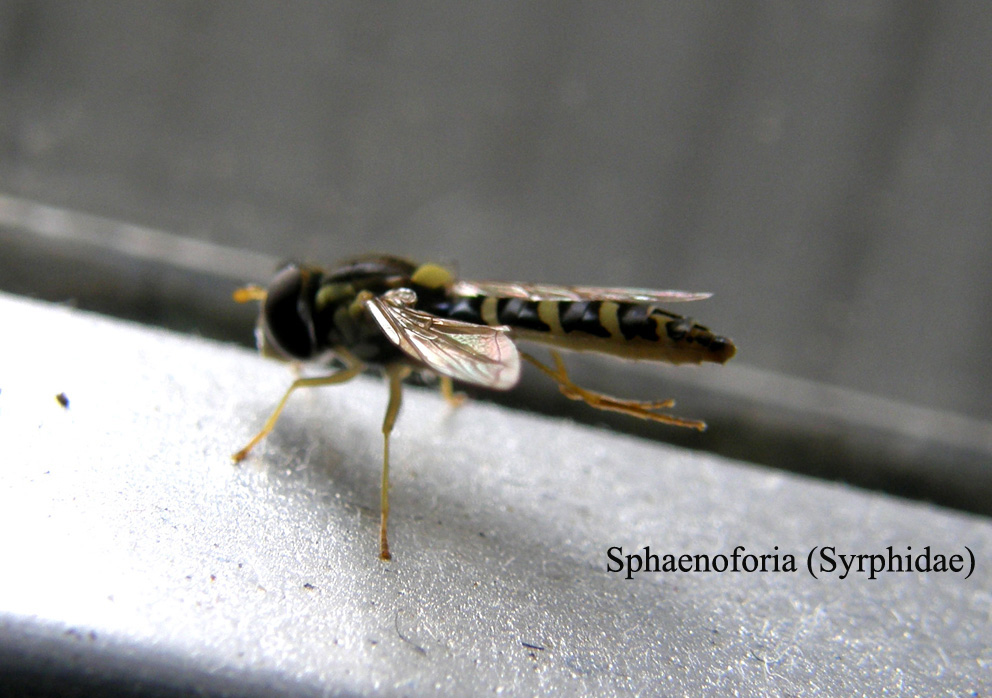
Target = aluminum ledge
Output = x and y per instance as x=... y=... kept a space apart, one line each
x=136 y=557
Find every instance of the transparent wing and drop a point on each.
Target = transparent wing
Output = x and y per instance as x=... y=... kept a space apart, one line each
x=476 y=354
x=548 y=292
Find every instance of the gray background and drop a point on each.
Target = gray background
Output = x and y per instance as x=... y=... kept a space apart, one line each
x=822 y=168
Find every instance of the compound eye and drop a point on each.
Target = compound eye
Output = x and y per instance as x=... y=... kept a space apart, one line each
x=287 y=315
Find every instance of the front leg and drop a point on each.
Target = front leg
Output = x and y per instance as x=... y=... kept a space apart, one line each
x=353 y=368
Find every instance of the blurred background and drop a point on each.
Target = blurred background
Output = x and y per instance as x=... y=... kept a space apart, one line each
x=822 y=168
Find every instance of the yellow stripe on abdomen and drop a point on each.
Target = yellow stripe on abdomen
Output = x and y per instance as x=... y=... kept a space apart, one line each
x=489 y=312
x=547 y=311
x=609 y=319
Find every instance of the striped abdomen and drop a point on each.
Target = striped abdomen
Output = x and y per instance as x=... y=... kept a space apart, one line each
x=629 y=330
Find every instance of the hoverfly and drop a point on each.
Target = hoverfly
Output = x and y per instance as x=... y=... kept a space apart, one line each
x=389 y=313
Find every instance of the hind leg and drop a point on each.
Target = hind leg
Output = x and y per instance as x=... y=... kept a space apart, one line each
x=601 y=401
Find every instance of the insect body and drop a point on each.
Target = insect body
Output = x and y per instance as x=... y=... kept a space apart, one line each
x=390 y=313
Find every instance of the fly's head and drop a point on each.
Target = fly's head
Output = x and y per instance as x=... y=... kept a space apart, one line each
x=285 y=327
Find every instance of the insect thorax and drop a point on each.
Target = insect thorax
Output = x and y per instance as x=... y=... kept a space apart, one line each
x=340 y=319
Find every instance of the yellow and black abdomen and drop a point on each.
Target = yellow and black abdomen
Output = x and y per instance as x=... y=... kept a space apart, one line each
x=627 y=330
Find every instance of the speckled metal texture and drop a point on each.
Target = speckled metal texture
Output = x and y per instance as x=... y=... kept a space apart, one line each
x=133 y=549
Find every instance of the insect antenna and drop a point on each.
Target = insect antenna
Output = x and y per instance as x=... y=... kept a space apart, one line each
x=246 y=294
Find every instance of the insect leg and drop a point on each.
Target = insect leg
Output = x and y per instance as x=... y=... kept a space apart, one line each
x=346 y=374
x=634 y=408
x=396 y=373
x=448 y=392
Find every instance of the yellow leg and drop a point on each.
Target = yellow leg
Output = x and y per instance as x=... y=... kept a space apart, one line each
x=353 y=369
x=396 y=373
x=448 y=392
x=634 y=408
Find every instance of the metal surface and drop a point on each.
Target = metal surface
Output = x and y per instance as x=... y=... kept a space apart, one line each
x=134 y=551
